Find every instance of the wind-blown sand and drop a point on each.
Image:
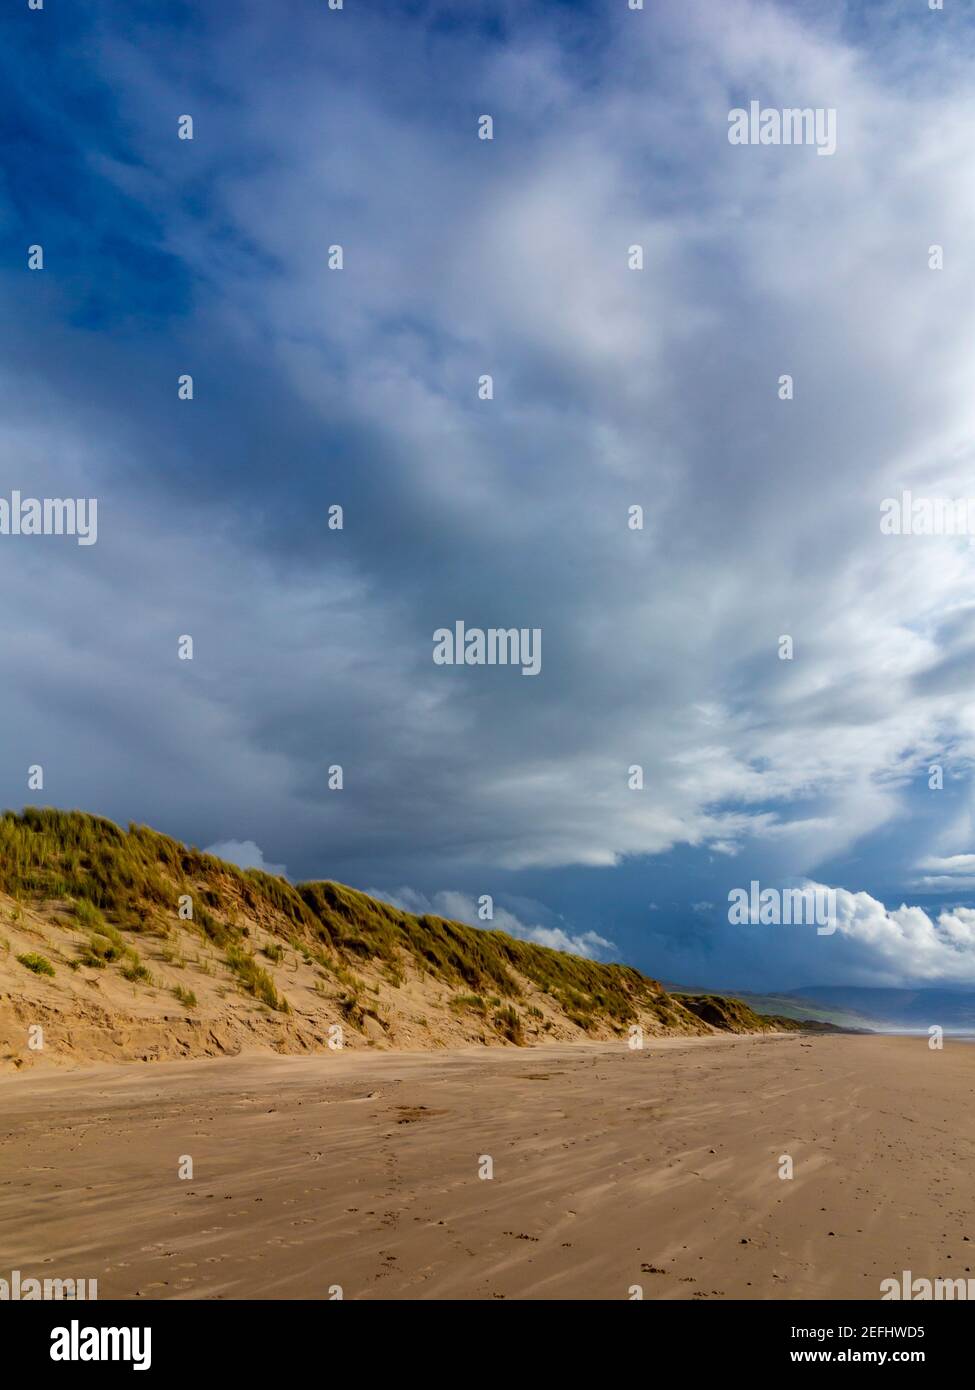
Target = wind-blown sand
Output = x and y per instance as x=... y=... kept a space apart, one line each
x=611 y=1169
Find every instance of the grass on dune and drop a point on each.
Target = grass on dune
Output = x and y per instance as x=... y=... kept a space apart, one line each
x=255 y=979
x=40 y=965
x=131 y=881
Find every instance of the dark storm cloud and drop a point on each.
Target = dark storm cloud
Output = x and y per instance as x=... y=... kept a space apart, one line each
x=314 y=387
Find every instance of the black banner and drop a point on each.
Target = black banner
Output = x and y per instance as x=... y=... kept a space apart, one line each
x=174 y=1339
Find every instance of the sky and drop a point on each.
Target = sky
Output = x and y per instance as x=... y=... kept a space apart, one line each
x=361 y=387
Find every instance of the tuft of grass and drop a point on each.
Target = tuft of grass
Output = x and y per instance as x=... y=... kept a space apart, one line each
x=255 y=979
x=107 y=945
x=474 y=1002
x=355 y=1010
x=88 y=915
x=39 y=964
x=213 y=929
x=185 y=996
x=352 y=1010
x=586 y=1021
x=100 y=949
x=274 y=952
x=136 y=972
x=507 y=1021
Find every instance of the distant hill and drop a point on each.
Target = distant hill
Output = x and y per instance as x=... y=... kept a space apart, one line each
x=865 y=1009
x=127 y=944
x=897 y=1009
x=797 y=1007
x=723 y=1011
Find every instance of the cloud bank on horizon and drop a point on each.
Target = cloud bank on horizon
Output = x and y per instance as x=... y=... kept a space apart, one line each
x=889 y=947
x=612 y=388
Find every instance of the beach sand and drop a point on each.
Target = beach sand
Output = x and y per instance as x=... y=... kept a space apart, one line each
x=611 y=1169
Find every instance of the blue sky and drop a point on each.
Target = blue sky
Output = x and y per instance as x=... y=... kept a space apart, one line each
x=612 y=387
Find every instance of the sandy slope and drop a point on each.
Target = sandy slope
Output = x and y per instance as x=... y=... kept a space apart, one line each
x=96 y=1015
x=611 y=1168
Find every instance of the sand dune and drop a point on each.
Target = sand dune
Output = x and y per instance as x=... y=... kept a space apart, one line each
x=612 y=1168
x=129 y=946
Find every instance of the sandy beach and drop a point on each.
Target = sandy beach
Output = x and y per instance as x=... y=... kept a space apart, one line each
x=611 y=1169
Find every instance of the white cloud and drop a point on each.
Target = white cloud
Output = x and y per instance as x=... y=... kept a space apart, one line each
x=953 y=864
x=246 y=855
x=905 y=944
x=459 y=907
